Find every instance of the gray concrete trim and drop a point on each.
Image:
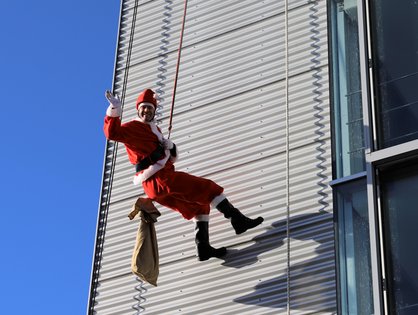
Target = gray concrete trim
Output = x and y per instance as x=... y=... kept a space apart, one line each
x=397 y=152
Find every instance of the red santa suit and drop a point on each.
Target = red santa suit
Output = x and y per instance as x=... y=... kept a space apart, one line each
x=190 y=195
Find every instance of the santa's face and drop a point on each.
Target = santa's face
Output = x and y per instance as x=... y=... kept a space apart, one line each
x=146 y=112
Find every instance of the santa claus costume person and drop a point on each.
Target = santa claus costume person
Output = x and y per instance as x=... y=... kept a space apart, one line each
x=154 y=157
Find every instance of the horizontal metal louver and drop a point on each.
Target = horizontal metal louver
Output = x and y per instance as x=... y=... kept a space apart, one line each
x=230 y=126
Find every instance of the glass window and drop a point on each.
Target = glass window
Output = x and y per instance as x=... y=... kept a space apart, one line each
x=348 y=139
x=399 y=191
x=354 y=266
x=395 y=65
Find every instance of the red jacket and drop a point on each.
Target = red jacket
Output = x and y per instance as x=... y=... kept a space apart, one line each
x=137 y=136
x=140 y=140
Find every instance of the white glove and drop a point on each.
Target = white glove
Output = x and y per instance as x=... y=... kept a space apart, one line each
x=168 y=144
x=114 y=100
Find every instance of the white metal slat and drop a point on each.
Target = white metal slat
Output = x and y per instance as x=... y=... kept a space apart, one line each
x=121 y=192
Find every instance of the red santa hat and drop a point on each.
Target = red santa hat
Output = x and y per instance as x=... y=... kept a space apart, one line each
x=147 y=96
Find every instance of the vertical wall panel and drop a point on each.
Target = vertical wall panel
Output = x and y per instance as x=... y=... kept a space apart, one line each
x=230 y=125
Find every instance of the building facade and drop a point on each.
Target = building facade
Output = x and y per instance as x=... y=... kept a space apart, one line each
x=305 y=112
x=374 y=45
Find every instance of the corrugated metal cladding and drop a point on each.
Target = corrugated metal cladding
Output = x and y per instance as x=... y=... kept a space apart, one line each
x=230 y=125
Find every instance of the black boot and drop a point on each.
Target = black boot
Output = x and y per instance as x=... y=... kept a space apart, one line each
x=204 y=250
x=239 y=222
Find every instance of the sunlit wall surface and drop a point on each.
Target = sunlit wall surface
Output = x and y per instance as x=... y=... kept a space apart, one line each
x=252 y=114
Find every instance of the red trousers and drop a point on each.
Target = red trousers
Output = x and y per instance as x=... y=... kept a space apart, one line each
x=190 y=195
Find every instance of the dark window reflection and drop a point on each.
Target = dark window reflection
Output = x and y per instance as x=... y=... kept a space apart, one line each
x=395 y=49
x=400 y=222
x=348 y=139
x=354 y=266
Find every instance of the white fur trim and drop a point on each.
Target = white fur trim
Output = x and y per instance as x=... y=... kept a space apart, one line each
x=217 y=200
x=113 y=111
x=146 y=104
x=174 y=159
x=154 y=168
x=201 y=218
x=138 y=179
x=156 y=131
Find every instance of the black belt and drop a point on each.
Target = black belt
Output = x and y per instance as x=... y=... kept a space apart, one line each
x=151 y=159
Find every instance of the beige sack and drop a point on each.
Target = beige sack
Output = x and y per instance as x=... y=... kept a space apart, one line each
x=145 y=257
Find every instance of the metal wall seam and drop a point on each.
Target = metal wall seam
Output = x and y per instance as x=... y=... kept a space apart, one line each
x=229 y=126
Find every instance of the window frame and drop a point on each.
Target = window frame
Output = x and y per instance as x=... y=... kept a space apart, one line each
x=376 y=159
x=343 y=183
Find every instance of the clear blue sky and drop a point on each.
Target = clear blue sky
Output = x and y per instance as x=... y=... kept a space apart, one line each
x=56 y=60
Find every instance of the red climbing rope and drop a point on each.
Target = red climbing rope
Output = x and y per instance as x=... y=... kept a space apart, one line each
x=170 y=124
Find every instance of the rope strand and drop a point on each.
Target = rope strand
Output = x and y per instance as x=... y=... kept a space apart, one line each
x=286 y=61
x=170 y=124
